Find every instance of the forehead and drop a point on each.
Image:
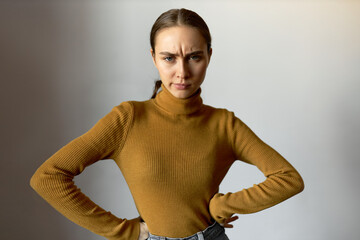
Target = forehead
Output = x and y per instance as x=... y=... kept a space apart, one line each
x=179 y=38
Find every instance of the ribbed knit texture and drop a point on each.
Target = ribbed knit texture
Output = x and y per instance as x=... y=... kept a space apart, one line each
x=173 y=154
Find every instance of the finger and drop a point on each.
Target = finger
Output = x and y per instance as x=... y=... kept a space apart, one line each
x=229 y=220
x=226 y=225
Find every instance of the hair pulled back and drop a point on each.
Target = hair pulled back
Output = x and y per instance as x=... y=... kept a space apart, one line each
x=178 y=17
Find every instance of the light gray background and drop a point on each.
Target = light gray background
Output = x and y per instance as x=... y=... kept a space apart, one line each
x=289 y=69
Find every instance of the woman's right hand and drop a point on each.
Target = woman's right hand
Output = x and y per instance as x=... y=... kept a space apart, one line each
x=144 y=231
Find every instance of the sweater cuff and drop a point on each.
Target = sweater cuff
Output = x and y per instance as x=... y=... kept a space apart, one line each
x=132 y=231
x=217 y=208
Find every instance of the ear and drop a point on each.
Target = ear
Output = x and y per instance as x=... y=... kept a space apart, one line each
x=153 y=56
x=209 y=53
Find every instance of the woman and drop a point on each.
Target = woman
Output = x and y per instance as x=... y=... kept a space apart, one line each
x=173 y=151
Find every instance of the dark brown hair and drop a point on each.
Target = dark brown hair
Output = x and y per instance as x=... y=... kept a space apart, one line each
x=178 y=17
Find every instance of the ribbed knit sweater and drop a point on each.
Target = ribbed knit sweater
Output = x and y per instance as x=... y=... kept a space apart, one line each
x=173 y=153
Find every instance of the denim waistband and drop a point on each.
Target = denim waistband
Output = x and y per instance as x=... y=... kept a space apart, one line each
x=209 y=233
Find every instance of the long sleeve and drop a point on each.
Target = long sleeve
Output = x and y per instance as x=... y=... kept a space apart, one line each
x=54 y=178
x=282 y=179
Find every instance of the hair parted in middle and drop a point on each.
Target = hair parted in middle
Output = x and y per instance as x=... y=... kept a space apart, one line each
x=178 y=17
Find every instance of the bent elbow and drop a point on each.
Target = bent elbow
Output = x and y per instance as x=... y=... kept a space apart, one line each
x=298 y=183
x=41 y=182
x=36 y=181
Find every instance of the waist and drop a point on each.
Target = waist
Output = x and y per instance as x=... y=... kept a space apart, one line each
x=175 y=219
x=210 y=232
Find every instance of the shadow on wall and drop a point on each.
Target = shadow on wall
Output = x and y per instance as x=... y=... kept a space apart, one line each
x=32 y=124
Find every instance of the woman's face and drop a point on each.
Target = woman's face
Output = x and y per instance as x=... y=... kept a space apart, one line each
x=181 y=58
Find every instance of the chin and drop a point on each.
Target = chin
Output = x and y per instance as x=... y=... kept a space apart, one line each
x=182 y=94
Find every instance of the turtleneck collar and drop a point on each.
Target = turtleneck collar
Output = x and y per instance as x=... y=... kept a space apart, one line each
x=165 y=100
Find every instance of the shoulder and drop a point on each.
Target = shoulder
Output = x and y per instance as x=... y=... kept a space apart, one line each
x=130 y=106
x=133 y=108
x=222 y=117
x=219 y=112
x=123 y=110
x=123 y=107
x=229 y=121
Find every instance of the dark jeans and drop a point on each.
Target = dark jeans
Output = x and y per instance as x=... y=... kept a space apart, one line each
x=213 y=232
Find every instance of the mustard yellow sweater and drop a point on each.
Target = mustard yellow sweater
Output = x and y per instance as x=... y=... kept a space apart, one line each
x=173 y=154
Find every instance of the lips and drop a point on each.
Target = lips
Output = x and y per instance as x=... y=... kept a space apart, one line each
x=181 y=86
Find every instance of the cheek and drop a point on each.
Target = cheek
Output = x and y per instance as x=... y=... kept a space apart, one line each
x=164 y=69
x=200 y=69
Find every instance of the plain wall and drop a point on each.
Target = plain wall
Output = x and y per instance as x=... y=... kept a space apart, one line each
x=289 y=69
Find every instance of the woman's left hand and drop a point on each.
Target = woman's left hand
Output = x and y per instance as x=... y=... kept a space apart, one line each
x=229 y=220
x=144 y=231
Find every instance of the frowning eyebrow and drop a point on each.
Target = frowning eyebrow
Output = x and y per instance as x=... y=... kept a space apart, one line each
x=176 y=55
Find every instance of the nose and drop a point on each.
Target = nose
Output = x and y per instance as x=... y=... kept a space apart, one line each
x=182 y=71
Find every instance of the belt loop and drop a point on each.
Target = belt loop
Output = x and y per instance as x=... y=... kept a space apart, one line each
x=200 y=236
